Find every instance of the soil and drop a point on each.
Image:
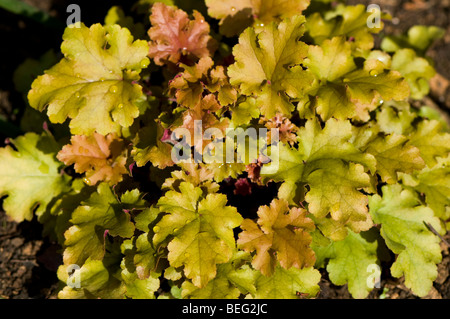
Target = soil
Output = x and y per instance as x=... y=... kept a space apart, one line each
x=28 y=262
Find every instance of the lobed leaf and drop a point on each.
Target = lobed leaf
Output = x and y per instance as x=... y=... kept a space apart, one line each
x=280 y=235
x=267 y=65
x=350 y=261
x=94 y=85
x=403 y=226
x=201 y=229
x=101 y=215
x=30 y=175
x=288 y=283
x=102 y=158
x=174 y=35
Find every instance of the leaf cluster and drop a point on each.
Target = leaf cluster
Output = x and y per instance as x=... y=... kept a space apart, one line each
x=360 y=171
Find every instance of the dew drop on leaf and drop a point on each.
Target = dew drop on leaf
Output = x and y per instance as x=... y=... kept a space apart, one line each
x=156 y=229
x=144 y=63
x=120 y=106
x=373 y=72
x=113 y=89
x=87 y=181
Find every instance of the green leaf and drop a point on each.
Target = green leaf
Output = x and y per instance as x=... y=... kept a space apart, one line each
x=267 y=65
x=289 y=171
x=56 y=219
x=335 y=189
x=332 y=100
x=368 y=85
x=138 y=287
x=95 y=83
x=96 y=281
x=267 y=11
x=145 y=256
x=435 y=184
x=431 y=113
x=393 y=155
x=350 y=260
x=149 y=148
x=234 y=15
x=145 y=218
x=432 y=141
x=331 y=60
x=100 y=213
x=322 y=151
x=403 y=226
x=353 y=93
x=202 y=231
x=244 y=112
x=323 y=248
x=416 y=70
x=348 y=21
x=288 y=283
x=331 y=142
x=395 y=117
x=30 y=175
x=232 y=280
x=418 y=37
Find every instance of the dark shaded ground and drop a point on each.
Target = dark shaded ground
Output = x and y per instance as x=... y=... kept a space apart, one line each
x=28 y=262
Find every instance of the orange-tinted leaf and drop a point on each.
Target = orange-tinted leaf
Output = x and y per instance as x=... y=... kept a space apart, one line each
x=220 y=83
x=101 y=157
x=281 y=234
x=286 y=129
x=204 y=112
x=173 y=34
x=188 y=85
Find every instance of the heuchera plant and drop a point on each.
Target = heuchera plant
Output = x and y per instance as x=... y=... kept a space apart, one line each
x=362 y=176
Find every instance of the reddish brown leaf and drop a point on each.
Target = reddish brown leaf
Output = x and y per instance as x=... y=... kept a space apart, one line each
x=173 y=34
x=204 y=112
x=102 y=158
x=286 y=129
x=281 y=234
